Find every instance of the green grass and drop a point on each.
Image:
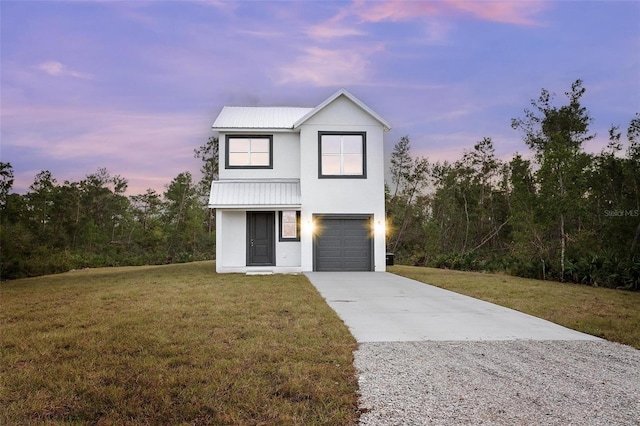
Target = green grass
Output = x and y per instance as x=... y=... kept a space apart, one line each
x=611 y=314
x=174 y=344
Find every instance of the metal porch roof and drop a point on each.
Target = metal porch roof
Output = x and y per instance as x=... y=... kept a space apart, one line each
x=247 y=194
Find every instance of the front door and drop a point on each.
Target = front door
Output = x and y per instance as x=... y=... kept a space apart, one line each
x=260 y=238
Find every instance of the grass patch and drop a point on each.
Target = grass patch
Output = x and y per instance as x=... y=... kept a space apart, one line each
x=174 y=344
x=611 y=314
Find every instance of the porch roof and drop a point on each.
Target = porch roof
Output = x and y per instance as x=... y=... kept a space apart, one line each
x=253 y=194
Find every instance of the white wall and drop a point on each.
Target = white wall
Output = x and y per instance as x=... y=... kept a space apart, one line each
x=231 y=244
x=286 y=154
x=231 y=227
x=287 y=252
x=348 y=195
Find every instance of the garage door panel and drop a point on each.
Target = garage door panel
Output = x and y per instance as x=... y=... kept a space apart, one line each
x=343 y=244
x=331 y=242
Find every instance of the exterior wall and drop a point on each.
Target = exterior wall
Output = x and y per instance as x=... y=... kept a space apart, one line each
x=231 y=239
x=287 y=252
x=231 y=245
x=286 y=155
x=349 y=195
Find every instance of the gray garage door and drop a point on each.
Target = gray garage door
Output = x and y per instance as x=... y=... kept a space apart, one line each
x=343 y=243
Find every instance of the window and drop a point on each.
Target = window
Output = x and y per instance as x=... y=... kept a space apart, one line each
x=342 y=155
x=289 y=225
x=249 y=152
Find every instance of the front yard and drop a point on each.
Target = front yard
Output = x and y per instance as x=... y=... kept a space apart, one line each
x=174 y=344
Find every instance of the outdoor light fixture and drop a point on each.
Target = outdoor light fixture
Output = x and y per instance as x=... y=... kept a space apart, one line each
x=308 y=226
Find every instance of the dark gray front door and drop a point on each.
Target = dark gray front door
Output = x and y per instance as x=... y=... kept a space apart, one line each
x=260 y=238
x=343 y=243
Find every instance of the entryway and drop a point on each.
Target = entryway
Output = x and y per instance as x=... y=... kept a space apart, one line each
x=261 y=239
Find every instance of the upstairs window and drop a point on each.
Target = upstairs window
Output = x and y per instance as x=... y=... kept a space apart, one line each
x=249 y=152
x=342 y=155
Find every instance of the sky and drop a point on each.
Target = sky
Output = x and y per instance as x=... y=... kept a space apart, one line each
x=134 y=86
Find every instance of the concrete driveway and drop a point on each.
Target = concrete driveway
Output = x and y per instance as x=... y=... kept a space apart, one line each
x=383 y=307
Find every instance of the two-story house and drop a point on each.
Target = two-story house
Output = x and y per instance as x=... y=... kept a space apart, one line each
x=300 y=189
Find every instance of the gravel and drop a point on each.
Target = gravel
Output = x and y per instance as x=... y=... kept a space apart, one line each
x=520 y=382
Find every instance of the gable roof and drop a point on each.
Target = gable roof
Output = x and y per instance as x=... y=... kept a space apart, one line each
x=283 y=118
x=234 y=117
x=345 y=93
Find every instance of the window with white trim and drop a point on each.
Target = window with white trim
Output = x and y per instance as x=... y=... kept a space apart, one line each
x=342 y=155
x=249 y=152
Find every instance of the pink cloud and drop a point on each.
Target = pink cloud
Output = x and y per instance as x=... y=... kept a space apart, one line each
x=57 y=69
x=512 y=12
x=326 y=67
x=334 y=28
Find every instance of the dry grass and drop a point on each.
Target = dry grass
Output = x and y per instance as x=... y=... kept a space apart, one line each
x=175 y=344
x=611 y=314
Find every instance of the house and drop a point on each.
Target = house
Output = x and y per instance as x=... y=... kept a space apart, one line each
x=300 y=189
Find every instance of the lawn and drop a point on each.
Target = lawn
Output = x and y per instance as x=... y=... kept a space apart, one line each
x=173 y=344
x=611 y=314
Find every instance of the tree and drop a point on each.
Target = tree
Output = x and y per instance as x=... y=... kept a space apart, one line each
x=401 y=163
x=556 y=135
x=183 y=217
x=147 y=207
x=41 y=200
x=208 y=153
x=409 y=175
x=6 y=182
x=633 y=155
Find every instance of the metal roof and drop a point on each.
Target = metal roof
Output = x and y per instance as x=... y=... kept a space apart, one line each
x=233 y=117
x=345 y=93
x=242 y=194
x=283 y=118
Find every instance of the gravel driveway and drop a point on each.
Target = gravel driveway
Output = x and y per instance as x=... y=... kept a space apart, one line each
x=432 y=357
x=499 y=383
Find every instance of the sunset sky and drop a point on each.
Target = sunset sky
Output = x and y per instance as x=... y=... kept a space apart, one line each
x=134 y=86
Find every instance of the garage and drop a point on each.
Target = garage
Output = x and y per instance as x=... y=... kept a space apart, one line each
x=342 y=243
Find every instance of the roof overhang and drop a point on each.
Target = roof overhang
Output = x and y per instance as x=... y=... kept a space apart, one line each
x=255 y=194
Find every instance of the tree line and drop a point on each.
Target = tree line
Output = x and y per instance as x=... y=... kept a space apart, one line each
x=560 y=213
x=56 y=227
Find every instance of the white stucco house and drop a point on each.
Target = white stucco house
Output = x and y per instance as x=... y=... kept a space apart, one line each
x=300 y=189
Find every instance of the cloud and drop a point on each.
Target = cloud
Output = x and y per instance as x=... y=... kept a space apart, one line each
x=334 y=28
x=327 y=67
x=511 y=12
x=57 y=69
